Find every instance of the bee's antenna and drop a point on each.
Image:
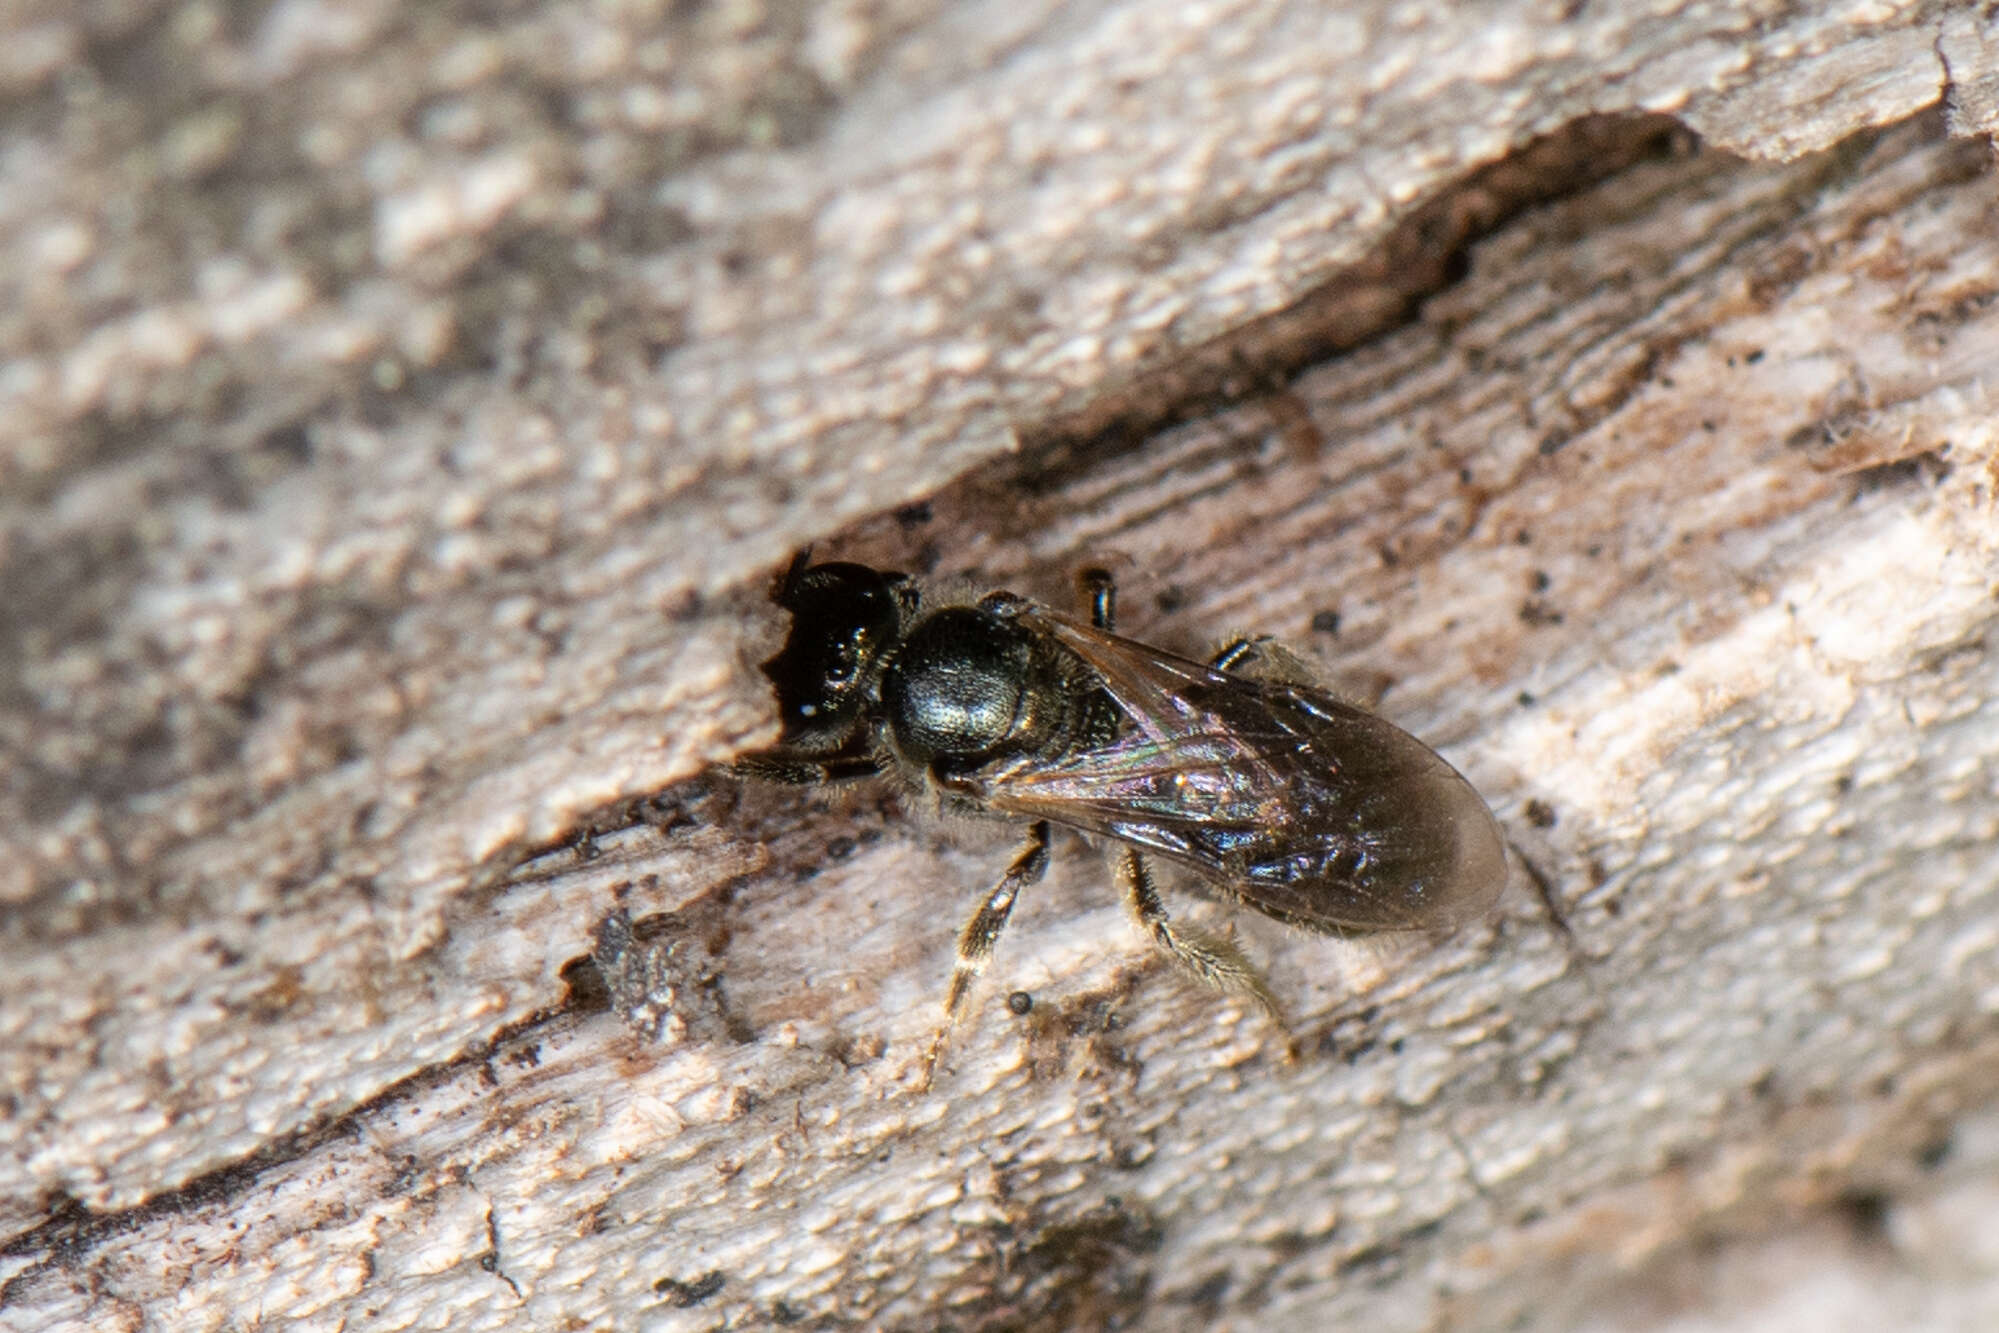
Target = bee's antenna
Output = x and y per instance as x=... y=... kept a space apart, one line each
x=787 y=582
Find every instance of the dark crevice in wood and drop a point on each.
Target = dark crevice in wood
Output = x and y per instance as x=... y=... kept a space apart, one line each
x=1423 y=255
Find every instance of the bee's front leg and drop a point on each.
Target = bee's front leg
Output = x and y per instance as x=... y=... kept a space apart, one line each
x=803 y=771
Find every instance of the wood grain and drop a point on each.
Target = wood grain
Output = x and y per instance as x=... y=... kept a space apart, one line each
x=404 y=410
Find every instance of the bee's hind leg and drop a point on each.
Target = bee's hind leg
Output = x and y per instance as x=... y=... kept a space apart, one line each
x=1213 y=960
x=975 y=942
x=1261 y=657
x=1239 y=652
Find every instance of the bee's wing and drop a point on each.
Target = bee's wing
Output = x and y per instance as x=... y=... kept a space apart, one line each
x=1308 y=809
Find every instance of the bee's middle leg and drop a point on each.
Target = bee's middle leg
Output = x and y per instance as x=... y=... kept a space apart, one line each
x=975 y=942
x=1099 y=590
x=1213 y=960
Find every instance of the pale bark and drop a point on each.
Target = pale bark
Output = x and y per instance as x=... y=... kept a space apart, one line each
x=405 y=409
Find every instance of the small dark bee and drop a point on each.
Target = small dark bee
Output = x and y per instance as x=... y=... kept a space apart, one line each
x=1277 y=794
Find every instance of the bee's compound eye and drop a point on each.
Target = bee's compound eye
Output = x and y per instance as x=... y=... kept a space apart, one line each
x=956 y=688
x=843 y=661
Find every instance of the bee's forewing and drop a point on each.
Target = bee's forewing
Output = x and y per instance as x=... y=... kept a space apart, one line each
x=1311 y=810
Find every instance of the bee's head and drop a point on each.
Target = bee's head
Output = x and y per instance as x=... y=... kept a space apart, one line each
x=845 y=620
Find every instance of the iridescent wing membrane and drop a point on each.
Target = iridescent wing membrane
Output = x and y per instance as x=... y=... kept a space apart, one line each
x=1310 y=810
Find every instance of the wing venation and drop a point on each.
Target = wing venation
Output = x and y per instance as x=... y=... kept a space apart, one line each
x=1307 y=808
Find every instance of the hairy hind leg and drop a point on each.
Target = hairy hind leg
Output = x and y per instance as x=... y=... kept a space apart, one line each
x=1214 y=961
x=975 y=942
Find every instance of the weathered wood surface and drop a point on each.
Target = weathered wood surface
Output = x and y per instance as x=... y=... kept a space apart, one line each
x=404 y=408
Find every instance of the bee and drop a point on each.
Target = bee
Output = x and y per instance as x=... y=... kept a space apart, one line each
x=1276 y=794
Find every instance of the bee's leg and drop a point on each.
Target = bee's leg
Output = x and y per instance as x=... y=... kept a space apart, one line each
x=1261 y=657
x=1239 y=651
x=1213 y=960
x=975 y=942
x=798 y=771
x=1100 y=590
